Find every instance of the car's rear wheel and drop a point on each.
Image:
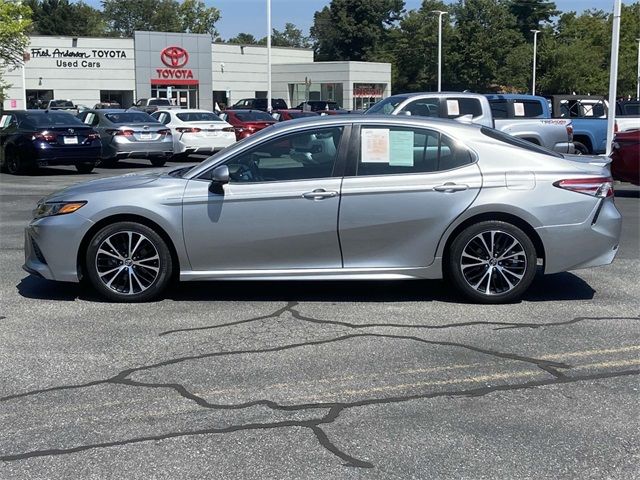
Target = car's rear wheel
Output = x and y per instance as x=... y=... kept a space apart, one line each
x=14 y=163
x=85 y=167
x=492 y=262
x=158 y=162
x=581 y=148
x=128 y=262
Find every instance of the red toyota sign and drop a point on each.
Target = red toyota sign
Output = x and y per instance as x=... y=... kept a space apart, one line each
x=174 y=57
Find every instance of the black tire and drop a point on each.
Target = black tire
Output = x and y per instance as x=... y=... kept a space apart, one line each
x=581 y=148
x=14 y=163
x=85 y=167
x=158 y=162
x=500 y=280
x=129 y=281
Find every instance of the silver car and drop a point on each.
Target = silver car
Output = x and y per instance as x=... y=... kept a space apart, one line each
x=342 y=197
x=130 y=134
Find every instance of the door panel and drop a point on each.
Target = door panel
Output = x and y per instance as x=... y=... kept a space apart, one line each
x=262 y=225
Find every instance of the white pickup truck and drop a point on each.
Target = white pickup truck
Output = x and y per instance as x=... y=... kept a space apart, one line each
x=523 y=116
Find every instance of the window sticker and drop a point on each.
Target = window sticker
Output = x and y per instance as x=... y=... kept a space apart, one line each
x=401 y=148
x=4 y=121
x=453 y=107
x=374 y=145
x=518 y=109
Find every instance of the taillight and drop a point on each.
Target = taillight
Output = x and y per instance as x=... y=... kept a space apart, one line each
x=93 y=136
x=570 y=132
x=164 y=132
x=46 y=136
x=188 y=129
x=601 y=187
x=124 y=133
x=228 y=129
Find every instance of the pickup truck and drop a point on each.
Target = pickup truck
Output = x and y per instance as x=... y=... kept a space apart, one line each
x=589 y=116
x=627 y=115
x=150 y=105
x=512 y=119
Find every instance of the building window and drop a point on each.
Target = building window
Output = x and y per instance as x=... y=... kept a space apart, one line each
x=124 y=98
x=303 y=92
x=38 y=98
x=366 y=94
x=220 y=99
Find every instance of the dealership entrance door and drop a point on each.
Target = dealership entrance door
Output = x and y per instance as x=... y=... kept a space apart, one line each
x=185 y=96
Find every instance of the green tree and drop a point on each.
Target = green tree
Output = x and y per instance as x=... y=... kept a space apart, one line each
x=244 y=39
x=354 y=29
x=530 y=13
x=61 y=17
x=15 y=20
x=291 y=36
x=197 y=18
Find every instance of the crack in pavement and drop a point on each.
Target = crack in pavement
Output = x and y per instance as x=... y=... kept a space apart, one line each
x=334 y=408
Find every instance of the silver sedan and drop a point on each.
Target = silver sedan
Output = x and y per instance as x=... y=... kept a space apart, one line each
x=343 y=197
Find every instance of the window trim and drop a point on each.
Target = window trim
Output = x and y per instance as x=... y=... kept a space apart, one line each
x=354 y=150
x=338 y=166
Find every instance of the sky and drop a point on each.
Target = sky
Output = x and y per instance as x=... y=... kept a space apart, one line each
x=249 y=16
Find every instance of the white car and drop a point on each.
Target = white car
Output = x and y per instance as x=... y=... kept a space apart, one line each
x=196 y=131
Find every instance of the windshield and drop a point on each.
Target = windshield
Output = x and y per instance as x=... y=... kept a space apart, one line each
x=198 y=117
x=386 y=106
x=517 y=142
x=130 y=117
x=61 y=103
x=160 y=101
x=302 y=114
x=51 y=119
x=254 y=116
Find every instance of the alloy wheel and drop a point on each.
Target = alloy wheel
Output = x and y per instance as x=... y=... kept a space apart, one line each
x=127 y=262
x=493 y=262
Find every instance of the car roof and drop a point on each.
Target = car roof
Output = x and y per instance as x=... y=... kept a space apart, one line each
x=513 y=96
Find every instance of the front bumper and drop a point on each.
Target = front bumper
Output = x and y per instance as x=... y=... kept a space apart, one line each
x=589 y=244
x=51 y=246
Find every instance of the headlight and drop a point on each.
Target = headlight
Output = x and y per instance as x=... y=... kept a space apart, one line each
x=57 y=208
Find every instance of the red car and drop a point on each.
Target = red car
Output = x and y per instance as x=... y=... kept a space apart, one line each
x=282 y=115
x=247 y=122
x=625 y=165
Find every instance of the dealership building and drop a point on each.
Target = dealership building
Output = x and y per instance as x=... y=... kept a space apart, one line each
x=187 y=68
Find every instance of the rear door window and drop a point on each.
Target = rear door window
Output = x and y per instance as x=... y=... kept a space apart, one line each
x=424 y=107
x=457 y=107
x=527 y=109
x=499 y=108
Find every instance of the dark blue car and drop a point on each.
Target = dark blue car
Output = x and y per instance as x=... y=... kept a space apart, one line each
x=33 y=138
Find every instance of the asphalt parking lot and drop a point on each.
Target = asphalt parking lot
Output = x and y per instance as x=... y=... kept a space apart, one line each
x=317 y=380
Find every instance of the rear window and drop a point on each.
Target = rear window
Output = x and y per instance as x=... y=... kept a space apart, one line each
x=254 y=116
x=160 y=101
x=50 y=119
x=516 y=142
x=630 y=109
x=130 y=117
x=198 y=117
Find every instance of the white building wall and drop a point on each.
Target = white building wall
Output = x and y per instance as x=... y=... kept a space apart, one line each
x=80 y=82
x=242 y=71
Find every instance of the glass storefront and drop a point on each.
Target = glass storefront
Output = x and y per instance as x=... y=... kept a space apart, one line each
x=185 y=96
x=366 y=94
x=302 y=92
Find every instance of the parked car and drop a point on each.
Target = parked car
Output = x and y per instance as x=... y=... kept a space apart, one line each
x=107 y=105
x=589 y=118
x=625 y=155
x=196 y=131
x=282 y=115
x=150 y=105
x=59 y=105
x=130 y=134
x=627 y=115
x=354 y=197
x=259 y=104
x=247 y=122
x=553 y=134
x=34 y=138
x=321 y=106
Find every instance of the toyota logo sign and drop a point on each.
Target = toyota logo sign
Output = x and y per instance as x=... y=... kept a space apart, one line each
x=174 y=57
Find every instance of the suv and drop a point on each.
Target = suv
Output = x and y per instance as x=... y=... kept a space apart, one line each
x=326 y=106
x=60 y=105
x=260 y=104
x=150 y=105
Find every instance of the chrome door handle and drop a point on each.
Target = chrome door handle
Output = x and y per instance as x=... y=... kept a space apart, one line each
x=451 y=187
x=319 y=194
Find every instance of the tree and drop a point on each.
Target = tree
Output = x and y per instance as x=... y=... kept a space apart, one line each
x=530 y=13
x=354 y=29
x=290 y=37
x=197 y=18
x=244 y=39
x=61 y=17
x=15 y=20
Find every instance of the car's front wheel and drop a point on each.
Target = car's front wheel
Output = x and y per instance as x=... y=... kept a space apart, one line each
x=492 y=262
x=128 y=262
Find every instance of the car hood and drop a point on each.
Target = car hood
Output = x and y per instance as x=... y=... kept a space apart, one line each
x=122 y=182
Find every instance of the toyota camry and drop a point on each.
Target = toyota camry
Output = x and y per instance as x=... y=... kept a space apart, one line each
x=341 y=197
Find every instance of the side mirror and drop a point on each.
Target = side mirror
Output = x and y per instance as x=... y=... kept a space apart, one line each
x=405 y=112
x=219 y=177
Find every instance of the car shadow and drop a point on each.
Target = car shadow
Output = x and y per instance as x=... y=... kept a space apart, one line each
x=51 y=171
x=558 y=287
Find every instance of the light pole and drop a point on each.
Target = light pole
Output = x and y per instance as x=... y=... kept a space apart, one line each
x=269 y=56
x=613 y=74
x=535 y=51
x=440 y=14
x=638 y=81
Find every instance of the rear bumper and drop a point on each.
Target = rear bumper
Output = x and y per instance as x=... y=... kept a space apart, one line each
x=67 y=156
x=138 y=149
x=589 y=244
